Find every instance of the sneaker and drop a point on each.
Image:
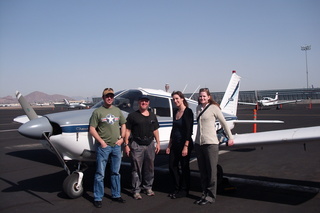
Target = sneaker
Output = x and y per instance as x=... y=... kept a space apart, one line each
x=119 y=200
x=149 y=192
x=97 y=204
x=137 y=196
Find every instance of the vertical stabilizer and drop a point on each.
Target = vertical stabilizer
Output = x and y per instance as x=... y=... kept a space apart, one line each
x=276 y=97
x=229 y=103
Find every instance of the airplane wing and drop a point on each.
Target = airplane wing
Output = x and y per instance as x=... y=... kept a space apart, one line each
x=257 y=122
x=306 y=134
x=287 y=102
x=246 y=103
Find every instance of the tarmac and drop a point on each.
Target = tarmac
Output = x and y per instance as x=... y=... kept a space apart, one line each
x=275 y=178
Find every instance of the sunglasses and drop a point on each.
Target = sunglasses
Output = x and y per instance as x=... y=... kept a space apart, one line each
x=109 y=96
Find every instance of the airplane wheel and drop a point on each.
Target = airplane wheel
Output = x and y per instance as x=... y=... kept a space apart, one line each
x=219 y=174
x=70 y=186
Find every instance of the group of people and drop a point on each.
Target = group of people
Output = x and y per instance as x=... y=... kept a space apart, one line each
x=140 y=137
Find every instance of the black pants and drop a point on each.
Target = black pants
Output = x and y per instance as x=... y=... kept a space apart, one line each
x=181 y=179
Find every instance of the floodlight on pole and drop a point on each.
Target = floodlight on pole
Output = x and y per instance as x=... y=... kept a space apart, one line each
x=306 y=48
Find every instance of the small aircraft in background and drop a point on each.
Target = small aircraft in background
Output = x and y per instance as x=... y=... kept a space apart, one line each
x=268 y=102
x=66 y=133
x=74 y=105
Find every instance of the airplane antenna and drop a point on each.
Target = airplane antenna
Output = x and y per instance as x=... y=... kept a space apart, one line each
x=194 y=92
x=184 y=88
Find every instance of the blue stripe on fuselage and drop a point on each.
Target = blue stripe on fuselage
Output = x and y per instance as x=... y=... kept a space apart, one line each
x=85 y=128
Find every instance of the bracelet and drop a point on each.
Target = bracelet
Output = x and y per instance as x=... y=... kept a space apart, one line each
x=125 y=144
x=186 y=145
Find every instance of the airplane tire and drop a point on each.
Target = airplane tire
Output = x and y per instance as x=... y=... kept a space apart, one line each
x=69 y=186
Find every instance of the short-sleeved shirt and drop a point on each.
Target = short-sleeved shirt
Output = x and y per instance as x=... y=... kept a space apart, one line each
x=142 y=126
x=107 y=122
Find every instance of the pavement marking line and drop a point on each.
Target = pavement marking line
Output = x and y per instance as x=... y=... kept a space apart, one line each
x=24 y=146
x=9 y=130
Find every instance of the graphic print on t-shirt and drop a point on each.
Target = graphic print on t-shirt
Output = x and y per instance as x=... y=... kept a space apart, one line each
x=110 y=119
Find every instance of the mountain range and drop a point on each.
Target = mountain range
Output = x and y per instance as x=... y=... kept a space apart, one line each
x=36 y=97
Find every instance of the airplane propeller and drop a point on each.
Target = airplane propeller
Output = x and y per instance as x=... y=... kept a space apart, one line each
x=40 y=128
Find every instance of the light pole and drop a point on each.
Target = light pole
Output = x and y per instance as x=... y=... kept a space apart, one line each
x=306 y=48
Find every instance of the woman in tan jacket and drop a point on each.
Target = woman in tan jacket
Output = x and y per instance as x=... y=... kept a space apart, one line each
x=207 y=144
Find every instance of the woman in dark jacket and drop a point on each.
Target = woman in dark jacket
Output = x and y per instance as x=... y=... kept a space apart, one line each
x=180 y=146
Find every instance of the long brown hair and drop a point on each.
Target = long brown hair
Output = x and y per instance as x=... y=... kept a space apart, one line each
x=211 y=101
x=180 y=94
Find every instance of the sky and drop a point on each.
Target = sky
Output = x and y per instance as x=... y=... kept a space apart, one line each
x=80 y=47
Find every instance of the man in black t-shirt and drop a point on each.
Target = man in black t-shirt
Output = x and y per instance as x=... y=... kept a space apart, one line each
x=142 y=126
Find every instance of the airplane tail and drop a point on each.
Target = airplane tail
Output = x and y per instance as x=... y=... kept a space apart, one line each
x=276 y=97
x=66 y=102
x=229 y=103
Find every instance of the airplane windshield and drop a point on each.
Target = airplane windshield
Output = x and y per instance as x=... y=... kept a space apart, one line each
x=128 y=102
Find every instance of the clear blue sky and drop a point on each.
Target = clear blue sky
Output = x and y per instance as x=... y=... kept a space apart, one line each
x=79 y=47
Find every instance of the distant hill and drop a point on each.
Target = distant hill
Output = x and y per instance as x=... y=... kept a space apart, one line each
x=36 y=97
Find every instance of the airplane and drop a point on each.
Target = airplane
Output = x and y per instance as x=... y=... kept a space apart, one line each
x=66 y=133
x=268 y=102
x=74 y=105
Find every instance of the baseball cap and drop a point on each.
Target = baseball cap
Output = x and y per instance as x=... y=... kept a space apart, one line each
x=107 y=91
x=144 y=97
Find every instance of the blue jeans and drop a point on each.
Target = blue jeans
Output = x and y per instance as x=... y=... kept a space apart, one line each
x=115 y=162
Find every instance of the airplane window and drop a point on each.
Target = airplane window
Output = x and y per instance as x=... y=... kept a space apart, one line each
x=160 y=106
x=128 y=101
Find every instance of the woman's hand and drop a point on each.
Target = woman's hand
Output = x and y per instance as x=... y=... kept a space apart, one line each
x=185 y=151
x=167 y=150
x=230 y=142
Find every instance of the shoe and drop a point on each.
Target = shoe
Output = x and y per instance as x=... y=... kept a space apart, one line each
x=181 y=194
x=173 y=194
x=198 y=201
x=203 y=197
x=204 y=202
x=149 y=192
x=137 y=196
x=119 y=200
x=97 y=204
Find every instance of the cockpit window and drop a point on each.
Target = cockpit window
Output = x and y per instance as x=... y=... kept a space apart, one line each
x=128 y=102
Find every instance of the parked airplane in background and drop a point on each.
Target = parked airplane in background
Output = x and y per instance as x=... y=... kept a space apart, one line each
x=74 y=105
x=268 y=102
x=66 y=133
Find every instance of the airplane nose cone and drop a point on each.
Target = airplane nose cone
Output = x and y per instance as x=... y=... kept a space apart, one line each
x=35 y=128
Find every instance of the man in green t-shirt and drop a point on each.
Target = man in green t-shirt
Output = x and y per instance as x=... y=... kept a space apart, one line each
x=105 y=123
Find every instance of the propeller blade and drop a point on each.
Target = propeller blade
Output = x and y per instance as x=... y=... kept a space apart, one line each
x=26 y=106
